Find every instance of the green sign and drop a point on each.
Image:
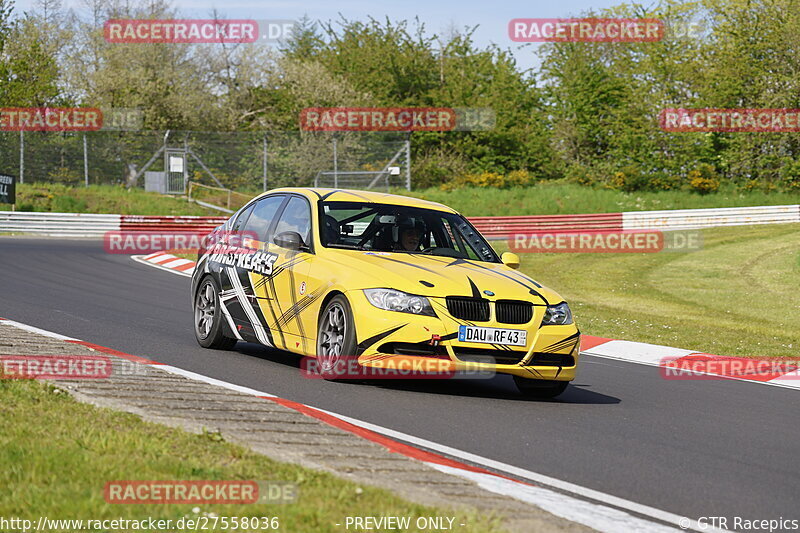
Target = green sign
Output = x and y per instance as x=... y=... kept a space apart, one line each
x=7 y=189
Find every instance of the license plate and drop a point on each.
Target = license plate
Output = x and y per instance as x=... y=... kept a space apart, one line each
x=507 y=337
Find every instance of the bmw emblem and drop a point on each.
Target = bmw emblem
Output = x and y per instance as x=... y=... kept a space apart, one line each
x=488 y=293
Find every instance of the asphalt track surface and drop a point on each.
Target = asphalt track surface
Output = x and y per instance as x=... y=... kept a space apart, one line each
x=693 y=448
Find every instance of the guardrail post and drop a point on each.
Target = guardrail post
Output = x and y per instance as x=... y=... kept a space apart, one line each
x=408 y=163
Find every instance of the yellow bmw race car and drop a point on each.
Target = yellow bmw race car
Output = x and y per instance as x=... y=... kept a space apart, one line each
x=385 y=280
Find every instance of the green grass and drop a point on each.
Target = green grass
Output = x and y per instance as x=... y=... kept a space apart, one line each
x=58 y=454
x=100 y=199
x=737 y=296
x=559 y=197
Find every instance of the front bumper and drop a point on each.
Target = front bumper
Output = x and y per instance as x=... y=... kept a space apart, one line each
x=389 y=339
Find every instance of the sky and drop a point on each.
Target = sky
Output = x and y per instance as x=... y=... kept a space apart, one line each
x=491 y=16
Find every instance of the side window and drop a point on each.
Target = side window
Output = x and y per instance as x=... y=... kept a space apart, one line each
x=261 y=218
x=296 y=217
x=241 y=219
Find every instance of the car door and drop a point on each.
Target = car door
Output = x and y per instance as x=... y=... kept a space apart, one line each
x=246 y=294
x=289 y=281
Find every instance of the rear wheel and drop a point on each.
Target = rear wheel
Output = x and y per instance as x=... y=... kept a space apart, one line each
x=336 y=338
x=208 y=328
x=541 y=389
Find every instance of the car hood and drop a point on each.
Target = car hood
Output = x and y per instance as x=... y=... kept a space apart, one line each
x=437 y=276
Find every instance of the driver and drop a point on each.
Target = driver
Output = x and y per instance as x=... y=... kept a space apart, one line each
x=409 y=233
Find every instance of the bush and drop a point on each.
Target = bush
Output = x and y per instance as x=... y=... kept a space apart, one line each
x=490 y=180
x=438 y=168
x=704 y=179
x=629 y=179
x=580 y=174
x=664 y=182
x=790 y=176
x=519 y=178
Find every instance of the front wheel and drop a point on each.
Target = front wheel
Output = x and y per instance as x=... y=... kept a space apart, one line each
x=336 y=338
x=540 y=389
x=208 y=328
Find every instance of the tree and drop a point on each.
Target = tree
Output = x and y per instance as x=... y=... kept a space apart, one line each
x=305 y=42
x=28 y=71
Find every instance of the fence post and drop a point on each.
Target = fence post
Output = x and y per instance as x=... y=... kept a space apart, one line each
x=85 y=162
x=408 y=163
x=335 y=165
x=21 y=156
x=265 y=163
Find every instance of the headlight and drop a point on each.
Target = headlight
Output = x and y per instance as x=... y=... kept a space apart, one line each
x=392 y=300
x=557 y=315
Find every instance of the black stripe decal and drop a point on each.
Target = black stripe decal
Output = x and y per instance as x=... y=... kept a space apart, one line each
x=362 y=347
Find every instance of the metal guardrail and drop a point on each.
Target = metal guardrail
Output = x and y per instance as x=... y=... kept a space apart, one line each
x=93 y=225
x=679 y=219
x=706 y=218
x=89 y=225
x=58 y=224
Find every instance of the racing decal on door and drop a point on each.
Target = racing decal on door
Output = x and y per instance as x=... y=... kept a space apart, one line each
x=256 y=261
x=246 y=300
x=298 y=307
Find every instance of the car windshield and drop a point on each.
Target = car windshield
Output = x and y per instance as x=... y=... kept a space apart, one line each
x=397 y=228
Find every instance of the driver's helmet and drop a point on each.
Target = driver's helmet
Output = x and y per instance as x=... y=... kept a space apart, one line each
x=405 y=223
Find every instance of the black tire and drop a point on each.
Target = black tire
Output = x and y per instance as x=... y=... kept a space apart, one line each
x=208 y=327
x=336 y=339
x=540 y=389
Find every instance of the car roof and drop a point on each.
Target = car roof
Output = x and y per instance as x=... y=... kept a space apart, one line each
x=347 y=195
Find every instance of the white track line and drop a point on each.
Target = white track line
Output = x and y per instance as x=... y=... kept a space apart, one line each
x=34 y=329
x=607 y=515
x=177 y=262
x=142 y=260
x=790 y=380
x=534 y=477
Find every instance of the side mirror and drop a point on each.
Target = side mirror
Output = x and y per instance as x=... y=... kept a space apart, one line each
x=510 y=260
x=291 y=240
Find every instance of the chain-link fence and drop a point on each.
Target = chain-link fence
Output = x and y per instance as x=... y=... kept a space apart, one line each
x=245 y=161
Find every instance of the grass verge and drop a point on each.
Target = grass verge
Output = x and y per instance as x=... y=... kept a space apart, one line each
x=58 y=454
x=558 y=197
x=736 y=296
x=111 y=199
